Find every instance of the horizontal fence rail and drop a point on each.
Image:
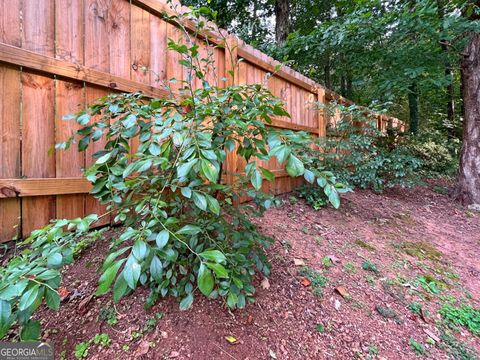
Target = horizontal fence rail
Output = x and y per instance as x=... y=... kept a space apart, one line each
x=57 y=56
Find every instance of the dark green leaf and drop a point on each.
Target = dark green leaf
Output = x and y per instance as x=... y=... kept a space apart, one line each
x=213 y=255
x=205 y=280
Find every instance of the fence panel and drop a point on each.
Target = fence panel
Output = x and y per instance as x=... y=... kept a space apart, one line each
x=57 y=56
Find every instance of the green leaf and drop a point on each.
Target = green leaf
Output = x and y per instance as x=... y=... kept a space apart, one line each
x=232 y=300
x=230 y=144
x=218 y=269
x=156 y=268
x=294 y=166
x=209 y=170
x=28 y=298
x=139 y=250
x=5 y=317
x=186 y=302
x=256 y=179
x=309 y=176
x=130 y=121
x=54 y=260
x=334 y=199
x=189 y=230
x=267 y=174
x=103 y=159
x=144 y=165
x=120 y=288
x=107 y=278
x=213 y=255
x=162 y=238
x=213 y=205
x=52 y=299
x=205 y=280
x=83 y=119
x=186 y=191
x=199 y=200
x=280 y=111
x=131 y=273
x=321 y=181
x=184 y=169
x=154 y=149
x=30 y=331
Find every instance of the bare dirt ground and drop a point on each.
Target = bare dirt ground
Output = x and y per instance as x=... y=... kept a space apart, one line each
x=361 y=282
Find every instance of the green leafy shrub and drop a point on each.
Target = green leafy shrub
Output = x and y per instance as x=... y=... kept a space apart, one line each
x=161 y=172
x=33 y=276
x=464 y=315
x=314 y=196
x=436 y=159
x=362 y=156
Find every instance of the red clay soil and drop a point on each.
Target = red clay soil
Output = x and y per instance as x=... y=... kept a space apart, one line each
x=406 y=234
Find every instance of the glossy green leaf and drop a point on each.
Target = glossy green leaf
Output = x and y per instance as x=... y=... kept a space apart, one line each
x=205 y=280
x=162 y=238
x=294 y=166
x=213 y=255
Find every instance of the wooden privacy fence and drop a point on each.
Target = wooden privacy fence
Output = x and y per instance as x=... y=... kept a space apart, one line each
x=57 y=56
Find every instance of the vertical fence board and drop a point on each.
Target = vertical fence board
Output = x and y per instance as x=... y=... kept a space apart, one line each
x=9 y=147
x=38 y=126
x=38 y=137
x=97 y=44
x=10 y=100
x=140 y=45
x=97 y=56
x=119 y=38
x=69 y=99
x=158 y=51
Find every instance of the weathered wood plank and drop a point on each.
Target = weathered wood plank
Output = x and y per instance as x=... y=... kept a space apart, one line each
x=47 y=64
x=14 y=188
x=10 y=139
x=38 y=126
x=9 y=147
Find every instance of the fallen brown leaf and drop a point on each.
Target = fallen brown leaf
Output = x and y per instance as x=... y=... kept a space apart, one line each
x=63 y=292
x=305 y=282
x=265 y=284
x=342 y=291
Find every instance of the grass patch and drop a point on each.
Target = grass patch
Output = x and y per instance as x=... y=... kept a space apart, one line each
x=368 y=266
x=431 y=284
x=417 y=348
x=365 y=245
x=420 y=250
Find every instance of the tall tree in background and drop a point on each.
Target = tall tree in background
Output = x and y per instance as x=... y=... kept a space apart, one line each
x=282 y=20
x=468 y=189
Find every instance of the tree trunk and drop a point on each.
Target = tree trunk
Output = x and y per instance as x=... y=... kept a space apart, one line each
x=282 y=20
x=327 y=74
x=468 y=188
x=413 y=107
x=448 y=75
